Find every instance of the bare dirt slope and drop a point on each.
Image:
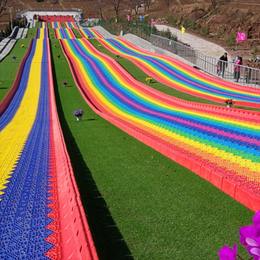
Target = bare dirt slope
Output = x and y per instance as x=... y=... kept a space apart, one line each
x=225 y=19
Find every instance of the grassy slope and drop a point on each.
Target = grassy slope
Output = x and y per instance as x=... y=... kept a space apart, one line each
x=137 y=201
x=9 y=67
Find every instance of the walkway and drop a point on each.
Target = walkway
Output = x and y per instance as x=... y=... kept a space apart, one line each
x=195 y=42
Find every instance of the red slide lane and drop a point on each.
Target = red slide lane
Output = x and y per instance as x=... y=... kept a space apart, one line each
x=7 y=99
x=75 y=237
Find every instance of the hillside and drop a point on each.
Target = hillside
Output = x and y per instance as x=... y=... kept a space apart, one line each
x=223 y=22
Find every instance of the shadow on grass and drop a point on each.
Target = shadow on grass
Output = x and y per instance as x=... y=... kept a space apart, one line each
x=107 y=237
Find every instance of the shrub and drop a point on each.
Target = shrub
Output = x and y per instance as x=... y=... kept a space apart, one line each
x=231 y=40
x=193 y=25
x=255 y=51
x=220 y=33
x=205 y=30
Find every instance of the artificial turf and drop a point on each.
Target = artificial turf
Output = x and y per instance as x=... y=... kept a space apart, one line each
x=9 y=67
x=140 y=204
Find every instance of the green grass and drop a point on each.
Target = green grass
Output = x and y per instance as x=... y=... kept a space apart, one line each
x=9 y=67
x=77 y=33
x=140 y=204
x=51 y=33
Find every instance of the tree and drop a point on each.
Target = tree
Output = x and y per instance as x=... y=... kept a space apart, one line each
x=214 y=3
x=147 y=4
x=168 y=3
x=116 y=5
x=2 y=5
x=135 y=4
x=99 y=6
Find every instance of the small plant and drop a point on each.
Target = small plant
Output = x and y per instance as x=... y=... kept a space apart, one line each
x=149 y=80
x=205 y=30
x=78 y=114
x=193 y=25
x=220 y=33
x=174 y=21
x=231 y=40
x=167 y=34
x=198 y=28
x=255 y=51
x=58 y=56
x=64 y=83
x=230 y=102
x=186 y=23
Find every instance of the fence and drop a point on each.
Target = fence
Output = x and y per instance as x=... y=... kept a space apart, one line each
x=140 y=29
x=246 y=75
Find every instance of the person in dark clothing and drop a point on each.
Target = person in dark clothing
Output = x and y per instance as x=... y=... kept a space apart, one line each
x=223 y=62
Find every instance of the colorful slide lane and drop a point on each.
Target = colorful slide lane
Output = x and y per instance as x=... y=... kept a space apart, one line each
x=56 y=25
x=182 y=77
x=220 y=145
x=90 y=33
x=64 y=33
x=41 y=213
x=70 y=25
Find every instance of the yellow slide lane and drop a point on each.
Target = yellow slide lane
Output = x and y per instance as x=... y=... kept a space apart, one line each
x=15 y=134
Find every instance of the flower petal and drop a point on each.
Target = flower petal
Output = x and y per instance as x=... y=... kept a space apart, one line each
x=256 y=218
x=251 y=242
x=227 y=253
x=255 y=251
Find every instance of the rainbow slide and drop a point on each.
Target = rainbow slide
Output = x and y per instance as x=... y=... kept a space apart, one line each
x=41 y=212
x=62 y=33
x=56 y=25
x=182 y=77
x=90 y=33
x=70 y=25
x=221 y=145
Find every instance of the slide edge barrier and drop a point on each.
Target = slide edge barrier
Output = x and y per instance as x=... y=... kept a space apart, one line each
x=9 y=96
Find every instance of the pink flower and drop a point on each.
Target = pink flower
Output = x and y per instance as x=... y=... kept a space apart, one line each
x=226 y=253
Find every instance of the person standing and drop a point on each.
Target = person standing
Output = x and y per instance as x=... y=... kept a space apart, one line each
x=223 y=62
x=248 y=71
x=237 y=68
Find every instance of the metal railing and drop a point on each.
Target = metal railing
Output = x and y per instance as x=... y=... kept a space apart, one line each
x=240 y=74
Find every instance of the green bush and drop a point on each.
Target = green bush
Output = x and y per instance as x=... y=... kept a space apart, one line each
x=198 y=28
x=205 y=30
x=186 y=24
x=255 y=51
x=193 y=25
x=231 y=40
x=220 y=33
